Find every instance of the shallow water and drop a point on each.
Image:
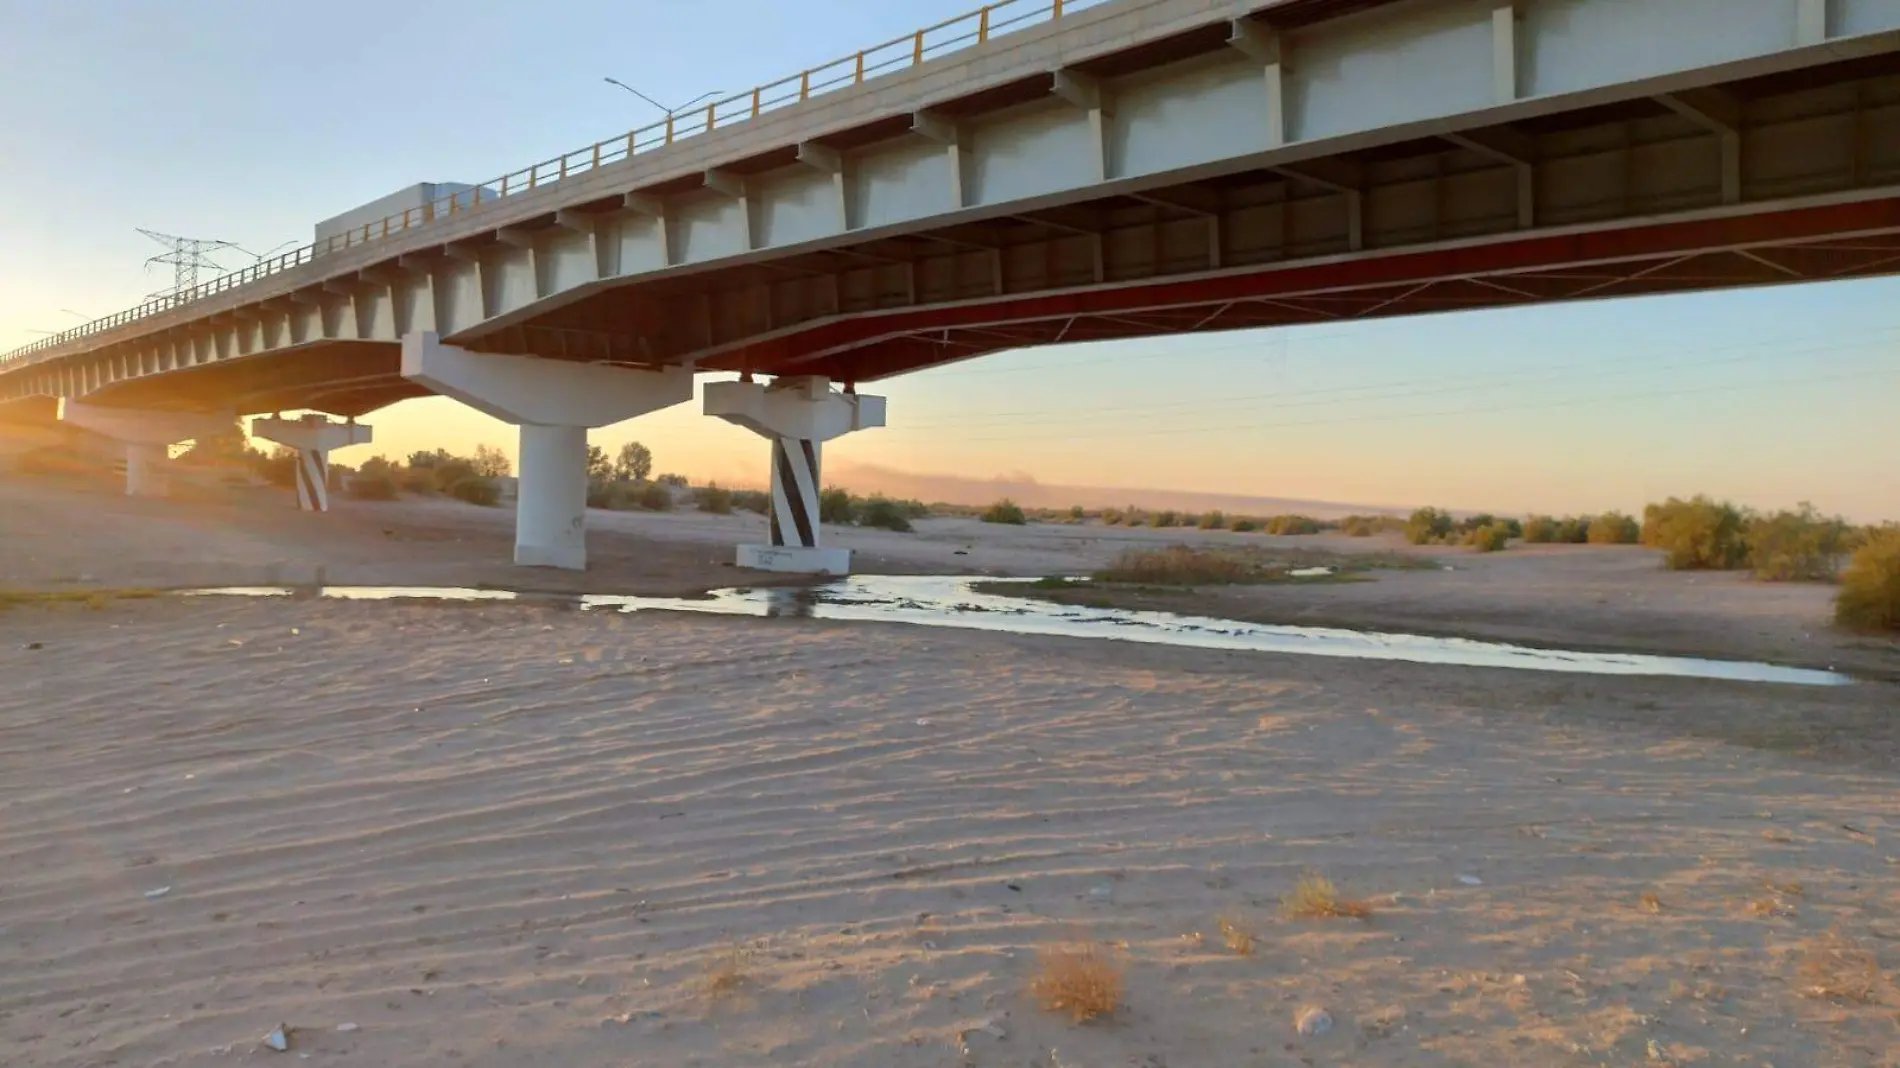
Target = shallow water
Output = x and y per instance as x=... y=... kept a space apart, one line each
x=952 y=602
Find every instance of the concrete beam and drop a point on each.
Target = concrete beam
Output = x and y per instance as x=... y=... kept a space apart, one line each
x=525 y=389
x=820 y=157
x=1721 y=114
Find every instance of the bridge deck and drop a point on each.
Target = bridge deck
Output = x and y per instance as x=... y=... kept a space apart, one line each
x=1137 y=167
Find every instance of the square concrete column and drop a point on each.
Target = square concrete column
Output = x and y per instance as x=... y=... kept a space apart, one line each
x=797 y=415
x=554 y=402
x=314 y=437
x=145 y=434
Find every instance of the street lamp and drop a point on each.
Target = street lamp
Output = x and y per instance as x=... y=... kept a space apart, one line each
x=670 y=112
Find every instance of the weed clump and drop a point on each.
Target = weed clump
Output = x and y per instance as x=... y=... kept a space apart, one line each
x=1078 y=980
x=1315 y=897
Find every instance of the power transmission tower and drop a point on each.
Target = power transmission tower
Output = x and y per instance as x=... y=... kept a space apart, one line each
x=185 y=256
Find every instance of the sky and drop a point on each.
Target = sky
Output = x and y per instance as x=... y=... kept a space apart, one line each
x=248 y=122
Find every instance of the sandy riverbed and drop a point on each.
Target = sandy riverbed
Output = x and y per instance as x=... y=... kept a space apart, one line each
x=510 y=835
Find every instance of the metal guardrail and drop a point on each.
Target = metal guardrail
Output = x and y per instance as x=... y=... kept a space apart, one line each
x=931 y=42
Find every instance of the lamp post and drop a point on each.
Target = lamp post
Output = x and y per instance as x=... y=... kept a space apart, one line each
x=670 y=112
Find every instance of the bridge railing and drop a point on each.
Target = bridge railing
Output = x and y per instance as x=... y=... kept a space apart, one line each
x=931 y=42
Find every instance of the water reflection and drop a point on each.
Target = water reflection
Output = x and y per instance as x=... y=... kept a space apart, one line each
x=953 y=602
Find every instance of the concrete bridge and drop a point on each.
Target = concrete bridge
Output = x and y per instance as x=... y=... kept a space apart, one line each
x=1033 y=174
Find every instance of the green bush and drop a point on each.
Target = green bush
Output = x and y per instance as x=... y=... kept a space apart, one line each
x=476 y=490
x=1540 y=530
x=834 y=506
x=1428 y=525
x=752 y=501
x=614 y=496
x=1365 y=526
x=1214 y=520
x=1165 y=519
x=1077 y=514
x=1870 y=588
x=1574 y=530
x=1293 y=525
x=654 y=497
x=1005 y=511
x=1612 y=528
x=369 y=485
x=1698 y=534
x=1240 y=524
x=1797 y=546
x=884 y=514
x=715 y=500
x=1490 y=538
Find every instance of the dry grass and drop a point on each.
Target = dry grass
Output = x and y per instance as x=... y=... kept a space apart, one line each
x=726 y=973
x=1315 y=897
x=1652 y=903
x=1838 y=968
x=1177 y=565
x=94 y=599
x=1237 y=935
x=1077 y=979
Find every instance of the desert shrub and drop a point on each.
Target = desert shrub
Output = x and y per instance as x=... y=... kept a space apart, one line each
x=1077 y=514
x=834 y=506
x=752 y=501
x=1797 y=546
x=654 y=496
x=715 y=500
x=913 y=509
x=615 y=496
x=675 y=481
x=367 y=485
x=279 y=468
x=1293 y=525
x=884 y=514
x=1005 y=511
x=1491 y=538
x=1474 y=522
x=1213 y=520
x=1111 y=517
x=1612 y=528
x=452 y=471
x=1573 y=530
x=1365 y=526
x=1870 y=587
x=1165 y=519
x=1241 y=524
x=1698 y=534
x=1540 y=530
x=1427 y=525
x=418 y=481
x=476 y=490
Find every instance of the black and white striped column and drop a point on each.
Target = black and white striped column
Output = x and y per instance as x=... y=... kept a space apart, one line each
x=313 y=480
x=795 y=488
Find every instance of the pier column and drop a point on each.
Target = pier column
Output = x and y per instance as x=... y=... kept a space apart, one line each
x=797 y=415
x=554 y=402
x=314 y=437
x=145 y=435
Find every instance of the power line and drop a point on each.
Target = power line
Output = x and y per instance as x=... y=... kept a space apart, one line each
x=186 y=256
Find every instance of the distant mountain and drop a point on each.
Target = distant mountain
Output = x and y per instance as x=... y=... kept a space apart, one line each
x=1026 y=491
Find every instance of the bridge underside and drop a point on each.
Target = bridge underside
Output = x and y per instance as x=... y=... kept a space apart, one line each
x=1781 y=178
